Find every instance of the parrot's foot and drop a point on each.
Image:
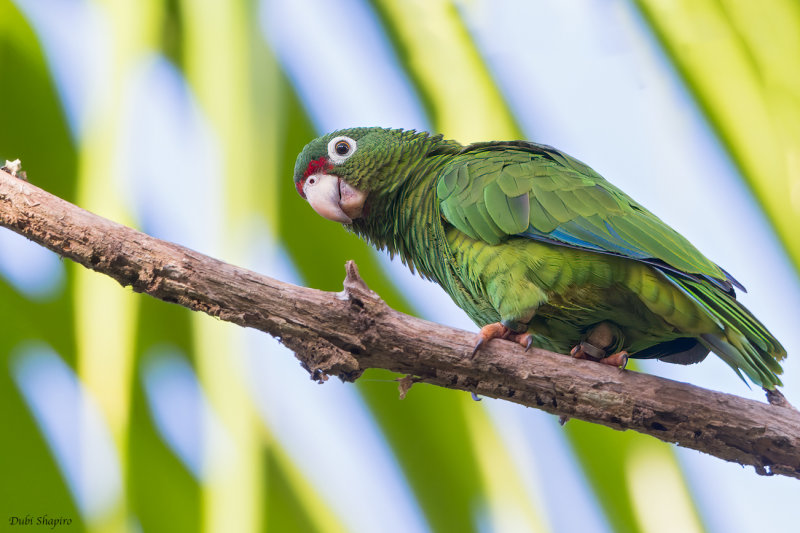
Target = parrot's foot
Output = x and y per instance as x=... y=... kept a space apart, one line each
x=619 y=359
x=499 y=331
x=592 y=353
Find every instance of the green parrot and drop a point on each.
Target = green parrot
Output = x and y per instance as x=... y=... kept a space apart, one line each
x=536 y=247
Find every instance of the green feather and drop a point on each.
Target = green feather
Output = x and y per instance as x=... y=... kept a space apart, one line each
x=510 y=214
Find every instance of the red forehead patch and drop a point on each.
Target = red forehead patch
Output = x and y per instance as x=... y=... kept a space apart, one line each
x=323 y=164
x=315 y=166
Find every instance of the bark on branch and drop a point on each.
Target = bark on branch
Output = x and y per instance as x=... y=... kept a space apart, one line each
x=344 y=333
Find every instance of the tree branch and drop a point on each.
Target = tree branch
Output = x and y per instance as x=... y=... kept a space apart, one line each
x=356 y=330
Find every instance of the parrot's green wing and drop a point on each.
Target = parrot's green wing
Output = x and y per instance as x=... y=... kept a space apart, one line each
x=491 y=191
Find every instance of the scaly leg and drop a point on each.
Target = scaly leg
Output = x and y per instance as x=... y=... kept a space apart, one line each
x=500 y=331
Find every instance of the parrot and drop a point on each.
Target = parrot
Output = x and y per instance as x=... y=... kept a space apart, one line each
x=536 y=247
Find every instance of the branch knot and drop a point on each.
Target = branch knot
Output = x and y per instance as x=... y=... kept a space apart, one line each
x=355 y=288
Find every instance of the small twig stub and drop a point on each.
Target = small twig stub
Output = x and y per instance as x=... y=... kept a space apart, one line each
x=15 y=169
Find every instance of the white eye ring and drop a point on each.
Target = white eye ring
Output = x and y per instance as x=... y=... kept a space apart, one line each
x=340 y=148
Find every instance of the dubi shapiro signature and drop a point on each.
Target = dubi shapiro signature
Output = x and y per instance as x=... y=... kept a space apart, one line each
x=43 y=520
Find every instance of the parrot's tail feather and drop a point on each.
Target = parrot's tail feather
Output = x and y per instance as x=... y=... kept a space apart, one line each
x=744 y=343
x=726 y=352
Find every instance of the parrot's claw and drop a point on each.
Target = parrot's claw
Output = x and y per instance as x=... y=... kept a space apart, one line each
x=528 y=341
x=489 y=332
x=587 y=351
x=523 y=339
x=619 y=359
x=499 y=331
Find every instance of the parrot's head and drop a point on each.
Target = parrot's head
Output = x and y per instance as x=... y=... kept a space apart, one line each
x=339 y=172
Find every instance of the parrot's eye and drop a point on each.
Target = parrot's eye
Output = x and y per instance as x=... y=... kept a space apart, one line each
x=341 y=148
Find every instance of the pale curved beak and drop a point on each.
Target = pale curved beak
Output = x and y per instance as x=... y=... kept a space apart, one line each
x=333 y=199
